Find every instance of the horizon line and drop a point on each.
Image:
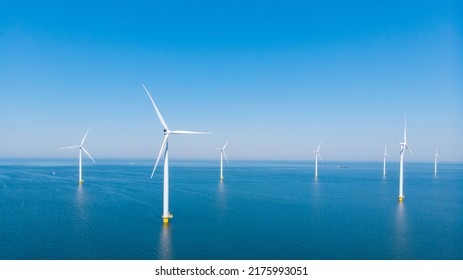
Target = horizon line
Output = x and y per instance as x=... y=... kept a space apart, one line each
x=40 y=158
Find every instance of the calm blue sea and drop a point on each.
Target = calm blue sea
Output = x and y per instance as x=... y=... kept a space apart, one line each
x=262 y=210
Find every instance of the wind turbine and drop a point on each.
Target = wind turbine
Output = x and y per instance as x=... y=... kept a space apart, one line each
x=317 y=155
x=81 y=148
x=386 y=155
x=166 y=215
x=403 y=146
x=435 y=162
x=222 y=155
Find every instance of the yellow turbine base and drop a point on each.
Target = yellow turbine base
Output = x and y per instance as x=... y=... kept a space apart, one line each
x=221 y=178
x=81 y=182
x=401 y=198
x=165 y=219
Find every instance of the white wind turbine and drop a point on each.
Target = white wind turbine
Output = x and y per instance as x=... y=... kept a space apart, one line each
x=317 y=155
x=403 y=146
x=386 y=155
x=81 y=148
x=166 y=215
x=435 y=162
x=222 y=155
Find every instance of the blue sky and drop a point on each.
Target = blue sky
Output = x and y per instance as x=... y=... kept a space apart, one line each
x=274 y=77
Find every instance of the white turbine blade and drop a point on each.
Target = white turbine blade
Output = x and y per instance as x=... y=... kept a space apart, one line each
x=163 y=147
x=161 y=119
x=85 y=136
x=408 y=148
x=88 y=154
x=224 y=146
x=405 y=131
x=319 y=147
x=187 y=132
x=218 y=148
x=225 y=155
x=320 y=156
x=69 y=147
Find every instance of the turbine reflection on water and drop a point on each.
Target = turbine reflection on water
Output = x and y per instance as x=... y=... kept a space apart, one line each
x=165 y=244
x=221 y=195
x=401 y=233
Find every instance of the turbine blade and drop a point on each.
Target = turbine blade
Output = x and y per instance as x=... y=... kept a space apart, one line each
x=163 y=146
x=319 y=147
x=69 y=147
x=218 y=148
x=224 y=146
x=320 y=156
x=225 y=155
x=88 y=154
x=85 y=136
x=408 y=148
x=157 y=111
x=187 y=132
x=405 y=130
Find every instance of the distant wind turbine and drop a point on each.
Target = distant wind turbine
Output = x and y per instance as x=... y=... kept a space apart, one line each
x=222 y=155
x=386 y=155
x=435 y=162
x=403 y=146
x=317 y=155
x=166 y=215
x=81 y=148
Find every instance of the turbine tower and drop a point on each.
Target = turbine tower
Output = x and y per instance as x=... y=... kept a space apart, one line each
x=166 y=215
x=403 y=146
x=222 y=155
x=81 y=148
x=435 y=162
x=317 y=155
x=386 y=155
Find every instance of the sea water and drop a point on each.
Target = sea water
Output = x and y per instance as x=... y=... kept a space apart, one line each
x=261 y=210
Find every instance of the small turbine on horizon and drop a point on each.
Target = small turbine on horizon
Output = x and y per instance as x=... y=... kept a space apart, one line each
x=435 y=162
x=317 y=155
x=166 y=215
x=403 y=146
x=222 y=155
x=386 y=155
x=81 y=148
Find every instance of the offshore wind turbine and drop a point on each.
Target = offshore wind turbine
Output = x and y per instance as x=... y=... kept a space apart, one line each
x=403 y=146
x=222 y=155
x=386 y=155
x=81 y=148
x=317 y=155
x=435 y=162
x=166 y=215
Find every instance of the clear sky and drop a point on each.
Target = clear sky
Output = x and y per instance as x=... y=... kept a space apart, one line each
x=274 y=77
